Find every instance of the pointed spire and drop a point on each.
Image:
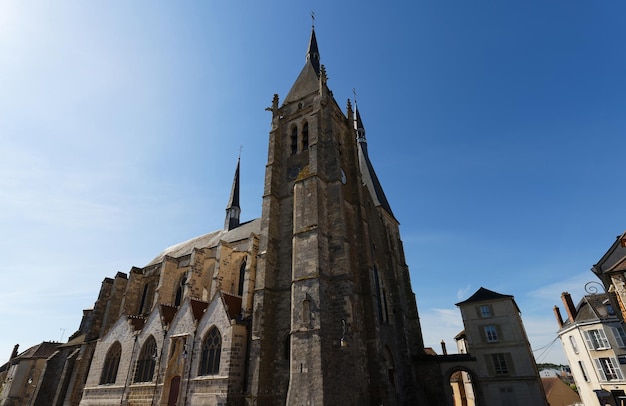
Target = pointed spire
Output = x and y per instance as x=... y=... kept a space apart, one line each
x=233 y=210
x=358 y=123
x=313 y=53
x=312 y=74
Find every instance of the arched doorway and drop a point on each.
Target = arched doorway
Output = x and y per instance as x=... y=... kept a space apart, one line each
x=172 y=399
x=463 y=387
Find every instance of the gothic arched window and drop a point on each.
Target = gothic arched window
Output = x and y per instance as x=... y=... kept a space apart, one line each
x=211 y=352
x=305 y=136
x=180 y=291
x=111 y=363
x=294 y=140
x=144 y=370
x=146 y=299
x=242 y=275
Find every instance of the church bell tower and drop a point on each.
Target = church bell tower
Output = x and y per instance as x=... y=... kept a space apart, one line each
x=334 y=318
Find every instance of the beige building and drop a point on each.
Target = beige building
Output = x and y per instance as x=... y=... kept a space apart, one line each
x=505 y=371
x=595 y=345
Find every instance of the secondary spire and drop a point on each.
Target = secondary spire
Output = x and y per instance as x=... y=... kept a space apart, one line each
x=358 y=123
x=233 y=210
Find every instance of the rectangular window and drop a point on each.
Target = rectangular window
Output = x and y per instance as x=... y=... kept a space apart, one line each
x=491 y=333
x=572 y=341
x=583 y=370
x=608 y=369
x=499 y=364
x=596 y=339
x=620 y=336
x=485 y=311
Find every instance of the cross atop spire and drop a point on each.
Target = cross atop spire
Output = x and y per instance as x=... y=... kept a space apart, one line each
x=312 y=19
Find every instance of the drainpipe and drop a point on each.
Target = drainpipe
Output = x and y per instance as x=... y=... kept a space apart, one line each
x=188 y=361
x=130 y=367
x=160 y=360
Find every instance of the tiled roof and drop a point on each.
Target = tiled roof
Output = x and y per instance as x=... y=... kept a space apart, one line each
x=233 y=305
x=198 y=308
x=137 y=322
x=167 y=313
x=558 y=393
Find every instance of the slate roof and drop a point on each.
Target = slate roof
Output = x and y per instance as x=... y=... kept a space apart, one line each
x=371 y=180
x=483 y=295
x=593 y=307
x=209 y=240
x=308 y=79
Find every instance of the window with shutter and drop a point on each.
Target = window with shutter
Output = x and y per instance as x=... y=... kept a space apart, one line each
x=596 y=339
x=608 y=369
x=572 y=341
x=620 y=336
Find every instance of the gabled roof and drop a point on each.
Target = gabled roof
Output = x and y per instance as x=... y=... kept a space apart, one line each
x=558 y=393
x=483 y=295
x=137 y=322
x=198 y=308
x=167 y=313
x=233 y=305
x=42 y=350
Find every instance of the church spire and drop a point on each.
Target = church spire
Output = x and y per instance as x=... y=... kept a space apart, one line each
x=313 y=53
x=233 y=210
x=358 y=124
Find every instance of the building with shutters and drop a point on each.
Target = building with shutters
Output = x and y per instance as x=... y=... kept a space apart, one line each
x=595 y=345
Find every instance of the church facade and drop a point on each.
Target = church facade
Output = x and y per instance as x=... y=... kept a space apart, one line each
x=310 y=304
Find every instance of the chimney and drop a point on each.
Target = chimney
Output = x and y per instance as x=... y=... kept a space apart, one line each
x=14 y=353
x=559 y=318
x=443 y=348
x=569 y=306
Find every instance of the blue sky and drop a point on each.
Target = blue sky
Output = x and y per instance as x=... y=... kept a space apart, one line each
x=496 y=129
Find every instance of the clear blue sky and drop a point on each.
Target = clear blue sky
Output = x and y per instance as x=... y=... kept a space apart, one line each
x=496 y=128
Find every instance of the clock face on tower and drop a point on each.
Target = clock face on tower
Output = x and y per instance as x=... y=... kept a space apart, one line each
x=343 y=177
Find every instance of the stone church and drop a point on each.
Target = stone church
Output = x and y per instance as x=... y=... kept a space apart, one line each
x=311 y=304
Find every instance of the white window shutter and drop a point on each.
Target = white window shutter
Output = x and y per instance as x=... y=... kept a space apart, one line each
x=618 y=337
x=605 y=341
x=601 y=373
x=617 y=369
x=588 y=340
